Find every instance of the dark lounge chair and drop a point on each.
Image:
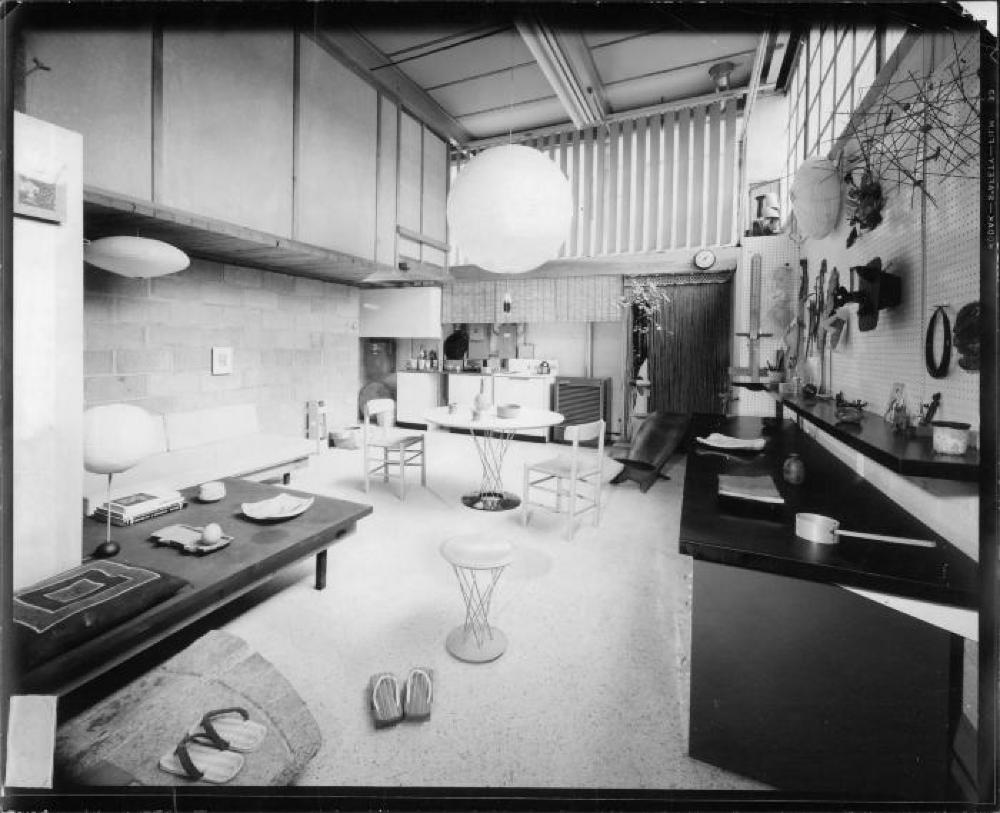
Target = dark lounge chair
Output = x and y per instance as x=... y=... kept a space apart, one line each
x=655 y=441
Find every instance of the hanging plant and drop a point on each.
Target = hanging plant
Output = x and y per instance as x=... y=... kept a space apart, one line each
x=865 y=202
x=644 y=299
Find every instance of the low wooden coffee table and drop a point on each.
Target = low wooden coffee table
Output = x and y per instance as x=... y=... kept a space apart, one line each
x=258 y=551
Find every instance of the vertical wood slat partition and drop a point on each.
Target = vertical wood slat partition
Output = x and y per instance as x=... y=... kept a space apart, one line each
x=659 y=182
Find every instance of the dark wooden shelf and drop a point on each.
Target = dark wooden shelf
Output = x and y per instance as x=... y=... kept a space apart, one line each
x=874 y=438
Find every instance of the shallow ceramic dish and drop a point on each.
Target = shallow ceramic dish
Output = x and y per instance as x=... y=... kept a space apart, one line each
x=719 y=441
x=284 y=506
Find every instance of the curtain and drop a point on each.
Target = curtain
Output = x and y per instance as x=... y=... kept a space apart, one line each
x=689 y=356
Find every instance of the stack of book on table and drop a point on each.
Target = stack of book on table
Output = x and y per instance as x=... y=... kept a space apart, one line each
x=139 y=506
x=750 y=494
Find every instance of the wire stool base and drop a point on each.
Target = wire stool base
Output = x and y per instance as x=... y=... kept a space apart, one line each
x=461 y=643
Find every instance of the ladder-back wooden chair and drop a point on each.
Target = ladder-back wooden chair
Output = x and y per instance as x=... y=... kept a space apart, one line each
x=574 y=478
x=387 y=447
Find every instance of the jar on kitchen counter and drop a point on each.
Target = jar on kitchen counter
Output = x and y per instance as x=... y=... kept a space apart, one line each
x=793 y=469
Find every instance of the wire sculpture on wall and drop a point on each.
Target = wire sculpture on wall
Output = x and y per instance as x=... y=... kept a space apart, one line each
x=921 y=128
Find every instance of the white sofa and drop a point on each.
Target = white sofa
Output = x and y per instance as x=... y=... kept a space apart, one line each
x=201 y=445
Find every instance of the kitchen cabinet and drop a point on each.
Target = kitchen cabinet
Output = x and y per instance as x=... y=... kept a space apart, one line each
x=530 y=392
x=400 y=312
x=415 y=394
x=463 y=388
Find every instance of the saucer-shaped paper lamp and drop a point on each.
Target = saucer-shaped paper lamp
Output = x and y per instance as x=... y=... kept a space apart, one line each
x=115 y=438
x=816 y=195
x=135 y=256
x=510 y=209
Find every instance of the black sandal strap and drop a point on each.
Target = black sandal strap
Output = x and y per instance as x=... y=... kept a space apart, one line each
x=206 y=723
x=185 y=758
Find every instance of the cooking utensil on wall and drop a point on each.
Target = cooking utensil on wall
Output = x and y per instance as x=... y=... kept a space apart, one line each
x=825 y=530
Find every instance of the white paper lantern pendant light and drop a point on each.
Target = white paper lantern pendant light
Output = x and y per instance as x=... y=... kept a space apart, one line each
x=816 y=196
x=135 y=256
x=510 y=209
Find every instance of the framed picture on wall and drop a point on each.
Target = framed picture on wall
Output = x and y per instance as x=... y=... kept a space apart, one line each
x=39 y=199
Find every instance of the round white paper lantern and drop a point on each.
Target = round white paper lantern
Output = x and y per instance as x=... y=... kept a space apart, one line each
x=816 y=196
x=116 y=437
x=510 y=209
x=135 y=256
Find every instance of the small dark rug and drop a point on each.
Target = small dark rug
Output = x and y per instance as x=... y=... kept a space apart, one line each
x=120 y=740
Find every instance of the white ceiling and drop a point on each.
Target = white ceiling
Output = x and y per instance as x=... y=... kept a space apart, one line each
x=488 y=75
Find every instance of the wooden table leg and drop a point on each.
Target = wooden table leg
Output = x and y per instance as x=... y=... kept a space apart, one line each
x=321 y=570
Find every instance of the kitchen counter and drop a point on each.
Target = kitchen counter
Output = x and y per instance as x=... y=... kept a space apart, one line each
x=480 y=373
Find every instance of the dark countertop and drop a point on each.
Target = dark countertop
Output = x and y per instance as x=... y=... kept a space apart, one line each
x=875 y=438
x=724 y=534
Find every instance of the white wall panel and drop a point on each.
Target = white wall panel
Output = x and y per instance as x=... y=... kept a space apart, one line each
x=336 y=152
x=227 y=126
x=47 y=368
x=99 y=85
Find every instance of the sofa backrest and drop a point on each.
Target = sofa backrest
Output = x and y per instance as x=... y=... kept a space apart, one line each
x=200 y=426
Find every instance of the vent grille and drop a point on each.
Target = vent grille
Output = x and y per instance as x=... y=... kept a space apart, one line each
x=580 y=400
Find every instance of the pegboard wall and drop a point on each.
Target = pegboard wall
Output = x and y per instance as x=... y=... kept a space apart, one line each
x=934 y=248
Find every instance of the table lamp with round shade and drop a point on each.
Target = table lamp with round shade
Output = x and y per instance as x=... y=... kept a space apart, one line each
x=115 y=438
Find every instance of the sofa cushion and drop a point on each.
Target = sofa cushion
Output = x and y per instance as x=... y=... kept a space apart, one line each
x=76 y=605
x=200 y=426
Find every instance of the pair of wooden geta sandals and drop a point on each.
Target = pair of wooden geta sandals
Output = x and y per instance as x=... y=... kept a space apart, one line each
x=213 y=748
x=390 y=703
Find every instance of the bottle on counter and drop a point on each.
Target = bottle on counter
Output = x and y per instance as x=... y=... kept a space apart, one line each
x=422 y=359
x=432 y=359
x=482 y=402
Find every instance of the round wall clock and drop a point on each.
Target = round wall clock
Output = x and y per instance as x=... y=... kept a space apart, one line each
x=704 y=259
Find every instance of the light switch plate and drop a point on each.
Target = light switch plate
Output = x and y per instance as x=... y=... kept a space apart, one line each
x=222 y=360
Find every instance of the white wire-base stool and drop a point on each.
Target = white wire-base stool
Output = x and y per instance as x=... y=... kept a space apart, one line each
x=478 y=565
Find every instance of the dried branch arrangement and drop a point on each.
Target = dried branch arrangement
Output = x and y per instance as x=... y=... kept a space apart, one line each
x=922 y=128
x=644 y=299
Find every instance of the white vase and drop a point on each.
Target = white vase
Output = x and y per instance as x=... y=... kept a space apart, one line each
x=482 y=403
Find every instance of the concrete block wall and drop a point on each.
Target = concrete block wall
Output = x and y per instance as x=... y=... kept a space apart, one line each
x=149 y=342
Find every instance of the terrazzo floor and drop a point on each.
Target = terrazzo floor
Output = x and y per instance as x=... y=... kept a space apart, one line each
x=592 y=690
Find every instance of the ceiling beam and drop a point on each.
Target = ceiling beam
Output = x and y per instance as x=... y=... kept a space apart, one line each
x=565 y=61
x=363 y=58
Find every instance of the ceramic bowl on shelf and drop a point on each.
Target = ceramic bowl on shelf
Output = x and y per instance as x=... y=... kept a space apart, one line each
x=508 y=410
x=950 y=437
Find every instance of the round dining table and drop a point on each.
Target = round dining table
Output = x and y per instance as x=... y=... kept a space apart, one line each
x=491 y=435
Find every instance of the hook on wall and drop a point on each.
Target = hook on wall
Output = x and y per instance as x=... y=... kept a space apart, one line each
x=38 y=66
